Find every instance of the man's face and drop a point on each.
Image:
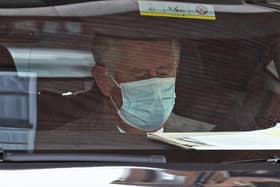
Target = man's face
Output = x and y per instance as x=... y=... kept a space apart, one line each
x=134 y=60
x=138 y=60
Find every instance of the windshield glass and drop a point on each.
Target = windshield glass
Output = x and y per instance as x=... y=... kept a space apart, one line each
x=84 y=80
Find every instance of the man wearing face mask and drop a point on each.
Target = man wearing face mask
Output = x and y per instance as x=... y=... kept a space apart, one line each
x=138 y=78
x=133 y=90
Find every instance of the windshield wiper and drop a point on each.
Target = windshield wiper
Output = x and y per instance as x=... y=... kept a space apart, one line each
x=273 y=160
x=81 y=157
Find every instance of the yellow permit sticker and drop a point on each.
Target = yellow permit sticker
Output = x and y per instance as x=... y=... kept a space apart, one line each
x=176 y=10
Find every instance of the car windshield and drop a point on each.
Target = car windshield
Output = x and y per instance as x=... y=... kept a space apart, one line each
x=99 y=76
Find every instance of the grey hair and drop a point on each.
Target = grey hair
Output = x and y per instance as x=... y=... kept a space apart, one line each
x=105 y=54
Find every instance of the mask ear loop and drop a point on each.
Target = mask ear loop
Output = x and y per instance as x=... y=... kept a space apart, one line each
x=107 y=74
x=115 y=106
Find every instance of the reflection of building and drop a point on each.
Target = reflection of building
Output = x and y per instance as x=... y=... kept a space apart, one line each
x=18 y=113
x=159 y=177
x=53 y=63
x=251 y=179
x=146 y=177
x=44 y=47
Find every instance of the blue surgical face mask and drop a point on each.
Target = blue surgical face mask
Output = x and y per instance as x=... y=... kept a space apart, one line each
x=148 y=103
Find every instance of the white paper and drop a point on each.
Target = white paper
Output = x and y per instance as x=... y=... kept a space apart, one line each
x=249 y=140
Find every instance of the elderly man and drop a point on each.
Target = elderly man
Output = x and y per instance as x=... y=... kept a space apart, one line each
x=138 y=78
x=133 y=88
x=133 y=91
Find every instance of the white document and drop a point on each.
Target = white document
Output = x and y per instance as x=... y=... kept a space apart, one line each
x=267 y=139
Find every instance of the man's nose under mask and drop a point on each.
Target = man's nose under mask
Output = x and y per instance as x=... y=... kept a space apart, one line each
x=148 y=103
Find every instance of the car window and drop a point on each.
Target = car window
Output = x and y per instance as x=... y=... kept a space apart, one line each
x=87 y=83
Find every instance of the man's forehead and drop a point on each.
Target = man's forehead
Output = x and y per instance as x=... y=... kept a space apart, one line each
x=129 y=53
x=121 y=43
x=147 y=62
x=145 y=49
x=145 y=44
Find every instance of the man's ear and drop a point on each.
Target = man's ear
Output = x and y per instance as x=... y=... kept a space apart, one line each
x=101 y=79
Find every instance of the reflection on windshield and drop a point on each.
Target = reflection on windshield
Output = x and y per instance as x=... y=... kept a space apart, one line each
x=108 y=76
x=150 y=177
x=18 y=113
